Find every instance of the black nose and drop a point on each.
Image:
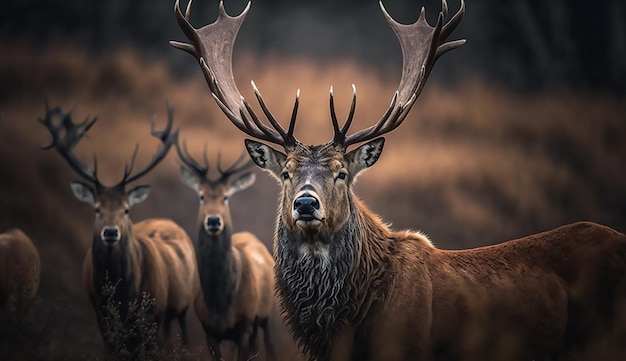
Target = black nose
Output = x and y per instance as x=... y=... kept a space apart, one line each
x=110 y=234
x=213 y=222
x=306 y=204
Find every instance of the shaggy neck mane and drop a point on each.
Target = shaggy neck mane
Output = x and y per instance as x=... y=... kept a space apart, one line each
x=322 y=292
x=217 y=271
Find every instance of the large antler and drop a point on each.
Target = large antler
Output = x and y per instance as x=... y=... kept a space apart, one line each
x=66 y=134
x=212 y=46
x=421 y=46
x=64 y=143
x=167 y=139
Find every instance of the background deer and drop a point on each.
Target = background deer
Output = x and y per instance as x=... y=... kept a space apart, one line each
x=353 y=289
x=153 y=258
x=235 y=269
x=20 y=268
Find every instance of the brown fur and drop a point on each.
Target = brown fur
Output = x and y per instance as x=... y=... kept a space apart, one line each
x=389 y=295
x=20 y=268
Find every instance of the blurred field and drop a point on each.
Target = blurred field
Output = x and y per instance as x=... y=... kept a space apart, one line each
x=471 y=166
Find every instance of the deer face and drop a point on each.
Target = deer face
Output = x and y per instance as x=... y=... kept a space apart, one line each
x=112 y=208
x=214 y=213
x=316 y=181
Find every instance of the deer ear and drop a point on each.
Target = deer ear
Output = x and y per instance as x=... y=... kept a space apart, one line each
x=138 y=195
x=190 y=179
x=243 y=182
x=266 y=157
x=364 y=156
x=83 y=192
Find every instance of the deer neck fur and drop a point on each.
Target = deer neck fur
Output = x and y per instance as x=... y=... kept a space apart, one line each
x=114 y=266
x=324 y=291
x=218 y=270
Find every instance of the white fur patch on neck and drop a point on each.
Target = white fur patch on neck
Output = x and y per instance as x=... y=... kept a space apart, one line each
x=317 y=250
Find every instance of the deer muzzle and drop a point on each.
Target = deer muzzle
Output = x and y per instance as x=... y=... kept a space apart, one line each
x=306 y=211
x=110 y=234
x=213 y=224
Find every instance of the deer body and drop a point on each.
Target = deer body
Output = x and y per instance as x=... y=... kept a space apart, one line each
x=351 y=288
x=129 y=265
x=155 y=257
x=20 y=268
x=235 y=269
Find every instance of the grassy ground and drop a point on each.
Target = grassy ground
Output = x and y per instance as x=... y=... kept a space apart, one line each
x=471 y=166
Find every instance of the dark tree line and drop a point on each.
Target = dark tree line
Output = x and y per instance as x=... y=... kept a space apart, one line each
x=525 y=45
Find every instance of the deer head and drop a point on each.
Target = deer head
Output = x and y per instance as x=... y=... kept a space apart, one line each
x=316 y=180
x=111 y=203
x=214 y=214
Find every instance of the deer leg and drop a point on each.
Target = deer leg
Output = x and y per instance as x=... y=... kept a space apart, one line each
x=214 y=347
x=243 y=346
x=269 y=348
x=252 y=340
x=167 y=326
x=182 y=322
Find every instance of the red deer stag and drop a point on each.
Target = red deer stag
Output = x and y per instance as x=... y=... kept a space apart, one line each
x=235 y=269
x=154 y=257
x=353 y=289
x=20 y=268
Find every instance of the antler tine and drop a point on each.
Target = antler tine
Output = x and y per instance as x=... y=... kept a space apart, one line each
x=421 y=46
x=340 y=134
x=212 y=45
x=205 y=157
x=187 y=160
x=167 y=139
x=128 y=168
x=74 y=132
x=288 y=138
x=235 y=167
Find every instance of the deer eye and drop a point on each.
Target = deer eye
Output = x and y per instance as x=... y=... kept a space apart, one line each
x=225 y=199
x=126 y=210
x=98 y=211
x=341 y=175
x=285 y=175
x=202 y=197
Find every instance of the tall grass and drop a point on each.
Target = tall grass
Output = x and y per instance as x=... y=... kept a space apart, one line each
x=470 y=166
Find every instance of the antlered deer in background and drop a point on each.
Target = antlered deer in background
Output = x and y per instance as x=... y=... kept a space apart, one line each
x=20 y=268
x=353 y=289
x=153 y=258
x=235 y=269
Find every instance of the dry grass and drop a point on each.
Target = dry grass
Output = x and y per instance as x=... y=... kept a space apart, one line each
x=471 y=166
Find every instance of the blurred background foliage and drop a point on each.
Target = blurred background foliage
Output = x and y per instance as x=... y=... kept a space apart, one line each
x=525 y=45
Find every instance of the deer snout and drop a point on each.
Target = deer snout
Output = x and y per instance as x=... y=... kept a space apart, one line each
x=110 y=235
x=306 y=211
x=306 y=205
x=213 y=224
